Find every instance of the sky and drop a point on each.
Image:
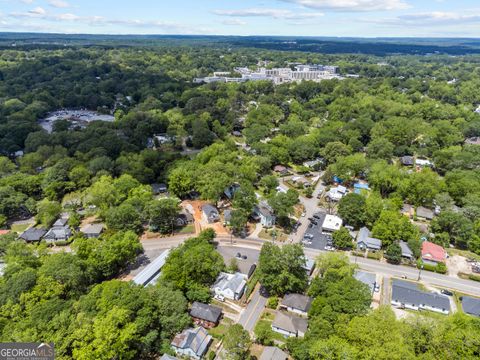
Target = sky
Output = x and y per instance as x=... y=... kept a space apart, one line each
x=357 y=18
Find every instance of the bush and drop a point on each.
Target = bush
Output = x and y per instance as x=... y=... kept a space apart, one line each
x=374 y=255
x=474 y=277
x=272 y=302
x=440 y=268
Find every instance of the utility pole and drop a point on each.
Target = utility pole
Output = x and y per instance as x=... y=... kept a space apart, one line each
x=420 y=272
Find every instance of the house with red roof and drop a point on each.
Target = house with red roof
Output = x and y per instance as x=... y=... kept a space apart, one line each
x=433 y=253
x=4 y=232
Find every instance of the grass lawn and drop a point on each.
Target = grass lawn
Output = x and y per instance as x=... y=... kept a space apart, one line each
x=19 y=228
x=464 y=253
x=266 y=234
x=428 y=314
x=219 y=331
x=189 y=229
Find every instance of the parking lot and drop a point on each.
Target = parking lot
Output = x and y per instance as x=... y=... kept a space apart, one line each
x=313 y=237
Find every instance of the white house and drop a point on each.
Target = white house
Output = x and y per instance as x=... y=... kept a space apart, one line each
x=331 y=223
x=231 y=286
x=289 y=325
x=296 y=303
x=193 y=343
x=336 y=193
x=407 y=295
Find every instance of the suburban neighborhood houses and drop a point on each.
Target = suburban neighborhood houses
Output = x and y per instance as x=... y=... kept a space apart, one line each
x=230 y=198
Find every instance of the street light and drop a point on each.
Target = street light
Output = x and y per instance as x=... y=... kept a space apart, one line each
x=420 y=272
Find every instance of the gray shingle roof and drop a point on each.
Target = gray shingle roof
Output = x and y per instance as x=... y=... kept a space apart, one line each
x=471 y=305
x=406 y=251
x=365 y=239
x=290 y=323
x=273 y=353
x=297 y=301
x=425 y=213
x=195 y=339
x=209 y=210
x=367 y=278
x=408 y=293
x=205 y=312
x=33 y=234
x=92 y=229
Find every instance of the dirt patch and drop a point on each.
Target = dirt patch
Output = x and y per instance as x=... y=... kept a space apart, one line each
x=200 y=223
x=456 y=264
x=88 y=220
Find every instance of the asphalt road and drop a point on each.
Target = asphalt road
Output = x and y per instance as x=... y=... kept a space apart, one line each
x=464 y=286
x=253 y=311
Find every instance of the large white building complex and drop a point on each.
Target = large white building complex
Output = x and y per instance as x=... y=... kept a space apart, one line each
x=277 y=75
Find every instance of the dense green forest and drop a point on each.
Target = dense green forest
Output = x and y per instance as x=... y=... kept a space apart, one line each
x=399 y=105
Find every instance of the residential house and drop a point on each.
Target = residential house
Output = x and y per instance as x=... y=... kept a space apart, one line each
x=289 y=325
x=407 y=160
x=473 y=140
x=336 y=193
x=159 y=188
x=210 y=213
x=407 y=210
x=92 y=230
x=433 y=254
x=423 y=163
x=264 y=213
x=192 y=343
x=273 y=353
x=331 y=223
x=471 y=305
x=60 y=231
x=281 y=170
x=150 y=274
x=309 y=266
x=296 y=303
x=32 y=234
x=4 y=232
x=407 y=253
x=231 y=286
x=365 y=241
x=231 y=190
x=205 y=315
x=184 y=218
x=300 y=180
x=408 y=295
x=314 y=164
x=366 y=278
x=424 y=213
x=168 y=357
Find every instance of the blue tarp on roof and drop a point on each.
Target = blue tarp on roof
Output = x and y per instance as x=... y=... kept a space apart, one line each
x=358 y=187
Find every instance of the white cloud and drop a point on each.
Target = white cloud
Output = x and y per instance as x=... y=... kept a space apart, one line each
x=236 y=22
x=435 y=18
x=37 y=11
x=265 y=12
x=58 y=3
x=352 y=5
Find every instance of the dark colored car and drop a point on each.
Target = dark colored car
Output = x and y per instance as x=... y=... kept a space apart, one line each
x=446 y=292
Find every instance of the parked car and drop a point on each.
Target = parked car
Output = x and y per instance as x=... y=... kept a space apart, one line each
x=376 y=288
x=308 y=236
x=244 y=257
x=446 y=292
x=238 y=256
x=316 y=216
